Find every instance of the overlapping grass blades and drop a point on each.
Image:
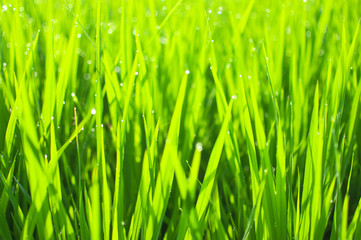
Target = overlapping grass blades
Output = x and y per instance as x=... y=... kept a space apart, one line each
x=180 y=119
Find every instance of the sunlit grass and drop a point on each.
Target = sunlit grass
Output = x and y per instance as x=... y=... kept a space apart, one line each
x=180 y=119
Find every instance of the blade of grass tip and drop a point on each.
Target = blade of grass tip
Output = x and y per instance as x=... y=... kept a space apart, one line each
x=209 y=178
x=181 y=177
x=166 y=172
x=245 y=16
x=162 y=24
x=193 y=175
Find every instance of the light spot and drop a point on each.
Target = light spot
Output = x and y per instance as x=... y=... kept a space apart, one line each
x=163 y=40
x=136 y=73
x=188 y=72
x=93 y=111
x=73 y=94
x=78 y=35
x=199 y=147
x=234 y=97
x=89 y=62
x=117 y=69
x=86 y=76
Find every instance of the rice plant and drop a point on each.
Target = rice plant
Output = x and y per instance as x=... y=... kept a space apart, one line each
x=180 y=119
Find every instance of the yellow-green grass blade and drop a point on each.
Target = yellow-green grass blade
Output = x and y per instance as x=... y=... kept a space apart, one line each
x=166 y=171
x=210 y=175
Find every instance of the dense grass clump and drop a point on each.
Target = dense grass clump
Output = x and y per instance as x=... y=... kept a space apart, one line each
x=180 y=119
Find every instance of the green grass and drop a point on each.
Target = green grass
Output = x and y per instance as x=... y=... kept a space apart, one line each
x=180 y=119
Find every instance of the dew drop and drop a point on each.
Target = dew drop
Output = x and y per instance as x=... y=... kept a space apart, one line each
x=199 y=147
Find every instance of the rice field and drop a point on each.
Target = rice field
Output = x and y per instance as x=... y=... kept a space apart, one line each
x=180 y=119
